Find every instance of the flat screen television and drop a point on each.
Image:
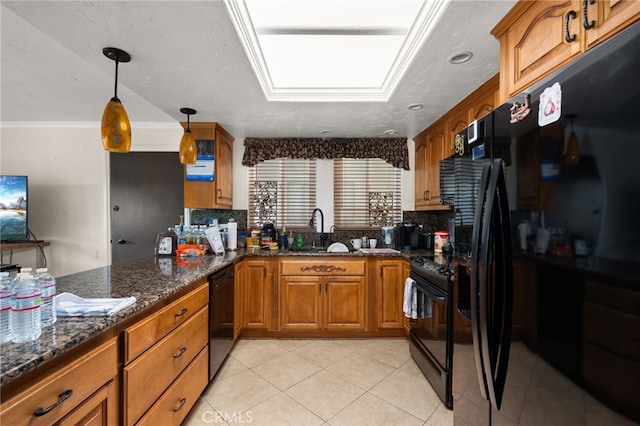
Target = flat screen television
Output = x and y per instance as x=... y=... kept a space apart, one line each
x=13 y=208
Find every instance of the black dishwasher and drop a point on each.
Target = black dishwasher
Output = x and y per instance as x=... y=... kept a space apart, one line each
x=220 y=318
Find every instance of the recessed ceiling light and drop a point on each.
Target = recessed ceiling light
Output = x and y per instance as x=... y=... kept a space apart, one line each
x=391 y=132
x=415 y=107
x=460 y=58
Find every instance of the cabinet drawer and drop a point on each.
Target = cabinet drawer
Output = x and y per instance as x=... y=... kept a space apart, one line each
x=617 y=298
x=176 y=402
x=323 y=266
x=145 y=333
x=79 y=379
x=603 y=325
x=146 y=378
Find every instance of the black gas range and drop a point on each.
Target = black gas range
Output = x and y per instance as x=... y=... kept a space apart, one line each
x=431 y=334
x=437 y=269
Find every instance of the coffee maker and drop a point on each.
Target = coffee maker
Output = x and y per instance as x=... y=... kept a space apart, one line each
x=407 y=236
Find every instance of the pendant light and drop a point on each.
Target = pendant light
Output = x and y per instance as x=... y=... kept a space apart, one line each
x=188 y=148
x=116 y=129
x=572 y=156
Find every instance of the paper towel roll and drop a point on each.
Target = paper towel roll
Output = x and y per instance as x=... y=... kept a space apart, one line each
x=232 y=235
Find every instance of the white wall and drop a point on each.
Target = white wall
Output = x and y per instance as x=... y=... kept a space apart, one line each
x=69 y=185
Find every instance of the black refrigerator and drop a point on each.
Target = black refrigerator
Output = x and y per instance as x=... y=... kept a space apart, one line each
x=497 y=378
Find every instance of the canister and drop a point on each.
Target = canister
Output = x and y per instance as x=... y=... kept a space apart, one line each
x=440 y=240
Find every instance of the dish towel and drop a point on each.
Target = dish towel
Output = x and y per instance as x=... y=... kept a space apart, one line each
x=70 y=305
x=416 y=305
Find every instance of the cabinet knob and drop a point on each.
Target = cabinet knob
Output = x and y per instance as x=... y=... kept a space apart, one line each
x=122 y=241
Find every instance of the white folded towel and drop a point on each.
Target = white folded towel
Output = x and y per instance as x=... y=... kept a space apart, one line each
x=70 y=305
x=415 y=305
x=408 y=306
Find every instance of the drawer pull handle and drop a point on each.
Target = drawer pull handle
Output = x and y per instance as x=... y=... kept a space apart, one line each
x=179 y=406
x=182 y=312
x=180 y=352
x=323 y=268
x=567 y=33
x=62 y=396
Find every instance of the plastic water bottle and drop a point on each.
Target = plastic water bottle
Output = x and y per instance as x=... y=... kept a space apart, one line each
x=48 y=288
x=25 y=308
x=5 y=307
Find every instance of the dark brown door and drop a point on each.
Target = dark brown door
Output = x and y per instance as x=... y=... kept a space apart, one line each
x=146 y=193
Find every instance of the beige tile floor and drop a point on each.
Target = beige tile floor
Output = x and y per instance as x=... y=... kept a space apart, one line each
x=320 y=382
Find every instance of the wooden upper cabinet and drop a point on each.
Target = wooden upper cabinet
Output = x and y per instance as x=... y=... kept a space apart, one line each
x=609 y=17
x=436 y=142
x=219 y=193
x=538 y=37
x=533 y=42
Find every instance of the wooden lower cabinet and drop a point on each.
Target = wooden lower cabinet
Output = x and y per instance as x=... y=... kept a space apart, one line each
x=175 y=403
x=610 y=365
x=525 y=302
x=389 y=276
x=98 y=409
x=149 y=378
x=256 y=293
x=323 y=294
x=81 y=392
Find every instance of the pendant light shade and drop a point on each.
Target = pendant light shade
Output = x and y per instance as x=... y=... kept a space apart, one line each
x=188 y=148
x=572 y=156
x=115 y=127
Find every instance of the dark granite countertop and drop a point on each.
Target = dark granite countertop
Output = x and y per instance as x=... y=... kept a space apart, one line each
x=626 y=274
x=149 y=280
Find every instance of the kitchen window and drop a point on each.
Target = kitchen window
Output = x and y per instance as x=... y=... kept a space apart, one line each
x=367 y=193
x=282 y=192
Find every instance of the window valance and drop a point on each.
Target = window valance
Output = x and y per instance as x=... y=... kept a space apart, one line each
x=393 y=150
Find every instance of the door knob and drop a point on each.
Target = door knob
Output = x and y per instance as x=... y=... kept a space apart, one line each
x=122 y=241
x=116 y=208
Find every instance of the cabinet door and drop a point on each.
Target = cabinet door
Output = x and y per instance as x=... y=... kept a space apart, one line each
x=389 y=285
x=457 y=122
x=436 y=148
x=421 y=173
x=64 y=389
x=301 y=303
x=534 y=44
x=239 y=297
x=609 y=17
x=345 y=305
x=100 y=409
x=216 y=194
x=257 y=294
x=224 y=169
x=525 y=303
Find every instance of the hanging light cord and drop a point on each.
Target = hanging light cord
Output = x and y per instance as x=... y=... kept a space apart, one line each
x=115 y=89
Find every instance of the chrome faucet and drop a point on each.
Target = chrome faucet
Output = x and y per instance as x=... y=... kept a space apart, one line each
x=323 y=236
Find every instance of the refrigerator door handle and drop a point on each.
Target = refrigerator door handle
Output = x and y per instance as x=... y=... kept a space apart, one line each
x=496 y=286
x=477 y=271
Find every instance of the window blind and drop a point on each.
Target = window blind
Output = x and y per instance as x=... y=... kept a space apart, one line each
x=282 y=192
x=367 y=193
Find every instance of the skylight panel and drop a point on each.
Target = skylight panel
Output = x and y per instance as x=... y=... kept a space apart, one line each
x=332 y=50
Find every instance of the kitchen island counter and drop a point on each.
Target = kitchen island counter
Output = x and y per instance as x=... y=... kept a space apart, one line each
x=150 y=280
